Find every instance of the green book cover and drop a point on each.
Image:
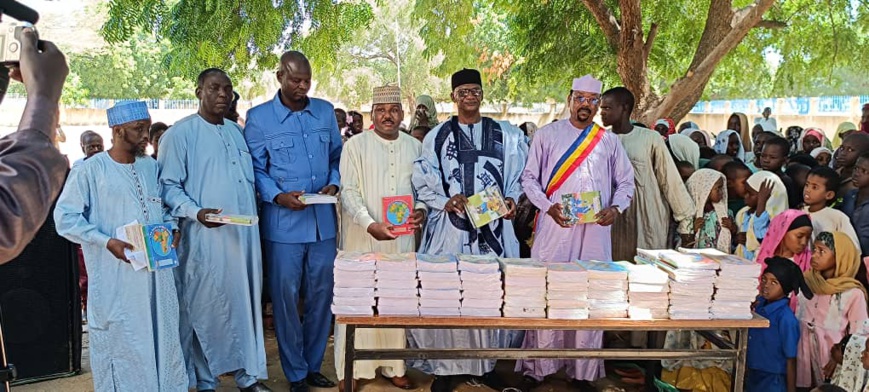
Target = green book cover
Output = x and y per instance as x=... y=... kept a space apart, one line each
x=486 y=207
x=581 y=207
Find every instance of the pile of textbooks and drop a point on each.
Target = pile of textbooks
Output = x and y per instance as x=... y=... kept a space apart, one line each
x=440 y=292
x=607 y=289
x=692 y=277
x=648 y=291
x=397 y=285
x=735 y=287
x=566 y=291
x=354 y=284
x=482 y=294
x=524 y=288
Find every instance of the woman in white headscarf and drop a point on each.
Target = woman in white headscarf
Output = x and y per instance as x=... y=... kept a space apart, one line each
x=685 y=149
x=730 y=143
x=699 y=136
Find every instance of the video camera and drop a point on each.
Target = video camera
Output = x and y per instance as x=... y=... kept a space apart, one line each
x=10 y=53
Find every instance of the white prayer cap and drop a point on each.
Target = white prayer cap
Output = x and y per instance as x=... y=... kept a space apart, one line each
x=386 y=94
x=587 y=84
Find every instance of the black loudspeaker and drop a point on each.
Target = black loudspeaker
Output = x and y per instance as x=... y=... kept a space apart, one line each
x=41 y=308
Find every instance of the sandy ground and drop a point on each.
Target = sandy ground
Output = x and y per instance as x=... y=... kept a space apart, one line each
x=277 y=382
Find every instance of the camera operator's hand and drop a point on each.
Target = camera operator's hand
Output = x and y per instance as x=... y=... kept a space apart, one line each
x=44 y=71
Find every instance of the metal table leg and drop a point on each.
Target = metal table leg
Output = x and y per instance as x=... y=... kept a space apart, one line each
x=349 y=356
x=739 y=362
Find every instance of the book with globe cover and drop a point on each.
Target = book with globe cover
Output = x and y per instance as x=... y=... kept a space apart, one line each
x=158 y=246
x=397 y=211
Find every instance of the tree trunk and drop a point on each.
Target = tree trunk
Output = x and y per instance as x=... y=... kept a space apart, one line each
x=725 y=29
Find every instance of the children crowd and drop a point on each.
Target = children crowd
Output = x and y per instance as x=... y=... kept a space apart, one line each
x=795 y=203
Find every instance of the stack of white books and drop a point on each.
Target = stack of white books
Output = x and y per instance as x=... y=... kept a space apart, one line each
x=397 y=285
x=648 y=291
x=524 y=288
x=735 y=287
x=607 y=289
x=354 y=284
x=482 y=291
x=692 y=278
x=566 y=291
x=440 y=286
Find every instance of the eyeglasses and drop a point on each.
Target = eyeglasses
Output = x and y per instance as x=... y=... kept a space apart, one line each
x=462 y=93
x=581 y=99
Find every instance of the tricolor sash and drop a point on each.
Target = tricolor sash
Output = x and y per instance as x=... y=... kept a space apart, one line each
x=574 y=157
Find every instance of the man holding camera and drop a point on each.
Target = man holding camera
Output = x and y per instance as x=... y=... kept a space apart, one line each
x=32 y=171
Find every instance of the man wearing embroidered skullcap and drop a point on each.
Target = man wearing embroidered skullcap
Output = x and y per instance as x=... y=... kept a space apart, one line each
x=574 y=157
x=296 y=147
x=461 y=157
x=205 y=168
x=661 y=195
x=132 y=314
x=376 y=165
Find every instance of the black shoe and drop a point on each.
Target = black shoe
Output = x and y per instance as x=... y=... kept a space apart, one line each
x=256 y=387
x=299 y=386
x=442 y=384
x=492 y=380
x=319 y=380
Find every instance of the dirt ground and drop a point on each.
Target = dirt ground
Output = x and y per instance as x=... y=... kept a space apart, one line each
x=277 y=382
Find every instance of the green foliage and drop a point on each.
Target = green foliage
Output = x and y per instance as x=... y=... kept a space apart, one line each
x=131 y=69
x=553 y=41
x=239 y=36
x=372 y=57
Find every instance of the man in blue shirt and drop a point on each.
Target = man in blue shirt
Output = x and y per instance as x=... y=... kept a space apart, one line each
x=295 y=145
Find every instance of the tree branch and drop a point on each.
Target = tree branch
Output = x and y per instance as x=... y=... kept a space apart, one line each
x=771 y=24
x=650 y=40
x=605 y=19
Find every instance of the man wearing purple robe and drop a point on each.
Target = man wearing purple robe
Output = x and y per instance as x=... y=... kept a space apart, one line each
x=574 y=156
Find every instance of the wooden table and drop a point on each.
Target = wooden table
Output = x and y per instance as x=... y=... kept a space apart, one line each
x=725 y=349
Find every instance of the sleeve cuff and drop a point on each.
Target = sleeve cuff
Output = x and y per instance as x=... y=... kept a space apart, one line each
x=439 y=203
x=420 y=206
x=102 y=240
x=191 y=211
x=269 y=195
x=365 y=221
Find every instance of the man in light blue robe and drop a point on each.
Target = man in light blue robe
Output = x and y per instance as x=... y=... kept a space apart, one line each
x=132 y=315
x=205 y=167
x=460 y=158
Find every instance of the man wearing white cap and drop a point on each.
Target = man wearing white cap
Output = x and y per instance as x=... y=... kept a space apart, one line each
x=133 y=315
x=375 y=165
x=573 y=156
x=661 y=194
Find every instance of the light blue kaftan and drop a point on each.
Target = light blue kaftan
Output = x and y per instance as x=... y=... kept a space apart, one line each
x=132 y=315
x=465 y=159
x=219 y=279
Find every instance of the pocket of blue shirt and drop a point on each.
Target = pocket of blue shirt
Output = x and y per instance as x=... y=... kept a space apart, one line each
x=281 y=150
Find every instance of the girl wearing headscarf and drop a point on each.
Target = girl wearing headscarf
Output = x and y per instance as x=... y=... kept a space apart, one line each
x=837 y=308
x=789 y=236
x=810 y=139
x=739 y=123
x=766 y=198
x=699 y=136
x=730 y=143
x=665 y=126
x=684 y=149
x=823 y=155
x=844 y=129
x=772 y=352
x=712 y=222
x=425 y=109
x=851 y=374
x=688 y=125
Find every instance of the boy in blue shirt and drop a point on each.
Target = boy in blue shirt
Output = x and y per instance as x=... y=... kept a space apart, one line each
x=772 y=352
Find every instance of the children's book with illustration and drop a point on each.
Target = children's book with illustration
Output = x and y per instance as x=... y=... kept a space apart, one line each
x=397 y=211
x=486 y=207
x=152 y=245
x=581 y=207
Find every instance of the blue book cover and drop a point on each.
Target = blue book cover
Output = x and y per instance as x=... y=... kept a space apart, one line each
x=158 y=246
